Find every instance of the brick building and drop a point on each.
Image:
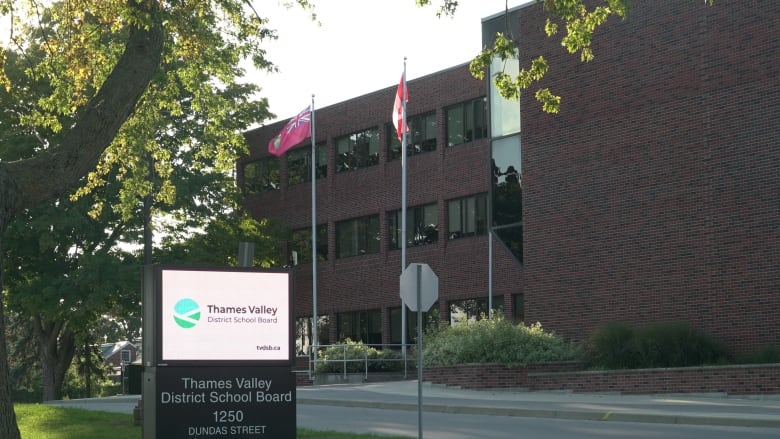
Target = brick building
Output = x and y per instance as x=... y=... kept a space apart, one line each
x=653 y=196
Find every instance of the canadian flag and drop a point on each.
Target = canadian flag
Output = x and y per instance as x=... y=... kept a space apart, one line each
x=399 y=115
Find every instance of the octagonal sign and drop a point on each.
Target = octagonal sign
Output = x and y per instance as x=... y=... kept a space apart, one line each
x=429 y=286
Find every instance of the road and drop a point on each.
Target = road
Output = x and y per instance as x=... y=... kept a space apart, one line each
x=466 y=426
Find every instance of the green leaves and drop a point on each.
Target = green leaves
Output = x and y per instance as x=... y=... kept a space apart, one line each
x=191 y=116
x=494 y=341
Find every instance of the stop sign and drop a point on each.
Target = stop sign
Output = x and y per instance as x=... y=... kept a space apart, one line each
x=429 y=286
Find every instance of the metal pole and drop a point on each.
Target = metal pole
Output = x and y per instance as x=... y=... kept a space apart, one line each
x=419 y=352
x=490 y=273
x=315 y=320
x=403 y=208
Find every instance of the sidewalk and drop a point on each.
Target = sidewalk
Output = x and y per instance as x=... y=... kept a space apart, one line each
x=709 y=409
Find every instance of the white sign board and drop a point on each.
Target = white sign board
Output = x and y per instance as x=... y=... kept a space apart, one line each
x=429 y=286
x=224 y=316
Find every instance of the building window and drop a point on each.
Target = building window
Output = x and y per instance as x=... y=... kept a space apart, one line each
x=470 y=310
x=504 y=113
x=358 y=236
x=261 y=175
x=422 y=226
x=507 y=193
x=299 y=164
x=125 y=356
x=303 y=334
x=300 y=245
x=467 y=122
x=467 y=216
x=430 y=320
x=518 y=308
x=365 y=326
x=421 y=137
x=357 y=150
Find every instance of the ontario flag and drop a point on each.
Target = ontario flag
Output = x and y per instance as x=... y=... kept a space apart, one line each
x=399 y=116
x=297 y=130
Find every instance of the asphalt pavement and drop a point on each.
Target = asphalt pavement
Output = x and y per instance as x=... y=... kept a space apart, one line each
x=693 y=409
x=707 y=409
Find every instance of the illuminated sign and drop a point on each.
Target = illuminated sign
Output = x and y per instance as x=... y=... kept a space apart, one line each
x=239 y=315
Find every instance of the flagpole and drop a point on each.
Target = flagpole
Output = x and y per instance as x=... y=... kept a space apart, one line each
x=403 y=207
x=315 y=320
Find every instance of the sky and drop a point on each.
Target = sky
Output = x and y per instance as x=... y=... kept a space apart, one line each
x=359 y=47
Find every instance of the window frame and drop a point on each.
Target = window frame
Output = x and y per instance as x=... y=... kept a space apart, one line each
x=299 y=174
x=474 y=225
x=470 y=124
x=267 y=179
x=300 y=242
x=353 y=153
x=473 y=309
x=363 y=325
x=416 y=140
x=364 y=238
x=416 y=217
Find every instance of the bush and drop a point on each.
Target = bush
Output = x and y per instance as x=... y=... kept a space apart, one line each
x=764 y=355
x=611 y=347
x=356 y=353
x=494 y=341
x=676 y=344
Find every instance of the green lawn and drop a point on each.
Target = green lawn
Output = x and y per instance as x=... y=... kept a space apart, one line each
x=38 y=421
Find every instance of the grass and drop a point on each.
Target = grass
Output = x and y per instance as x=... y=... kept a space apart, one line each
x=38 y=421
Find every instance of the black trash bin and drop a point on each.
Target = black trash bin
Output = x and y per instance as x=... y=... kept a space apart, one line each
x=134 y=376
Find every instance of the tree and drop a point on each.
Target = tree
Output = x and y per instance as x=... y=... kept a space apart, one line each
x=184 y=152
x=70 y=278
x=218 y=243
x=25 y=183
x=102 y=62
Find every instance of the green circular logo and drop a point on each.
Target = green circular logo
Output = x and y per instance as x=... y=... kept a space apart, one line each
x=186 y=313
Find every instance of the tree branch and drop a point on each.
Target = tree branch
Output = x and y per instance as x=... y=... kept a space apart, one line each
x=55 y=171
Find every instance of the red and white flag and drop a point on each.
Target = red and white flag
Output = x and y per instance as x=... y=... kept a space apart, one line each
x=297 y=130
x=399 y=116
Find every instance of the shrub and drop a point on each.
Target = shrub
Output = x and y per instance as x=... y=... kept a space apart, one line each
x=356 y=353
x=676 y=344
x=611 y=347
x=764 y=355
x=494 y=341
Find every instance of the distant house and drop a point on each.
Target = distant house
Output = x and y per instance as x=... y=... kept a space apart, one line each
x=118 y=354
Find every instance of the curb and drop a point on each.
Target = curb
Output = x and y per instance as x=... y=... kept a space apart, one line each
x=558 y=414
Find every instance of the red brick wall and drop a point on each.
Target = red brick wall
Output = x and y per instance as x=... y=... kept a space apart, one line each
x=653 y=195
x=734 y=380
x=371 y=281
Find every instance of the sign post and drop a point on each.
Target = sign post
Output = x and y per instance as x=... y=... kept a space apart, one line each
x=419 y=290
x=220 y=364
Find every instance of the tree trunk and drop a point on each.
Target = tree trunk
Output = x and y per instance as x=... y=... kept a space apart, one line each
x=57 y=349
x=8 y=428
x=26 y=183
x=88 y=384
